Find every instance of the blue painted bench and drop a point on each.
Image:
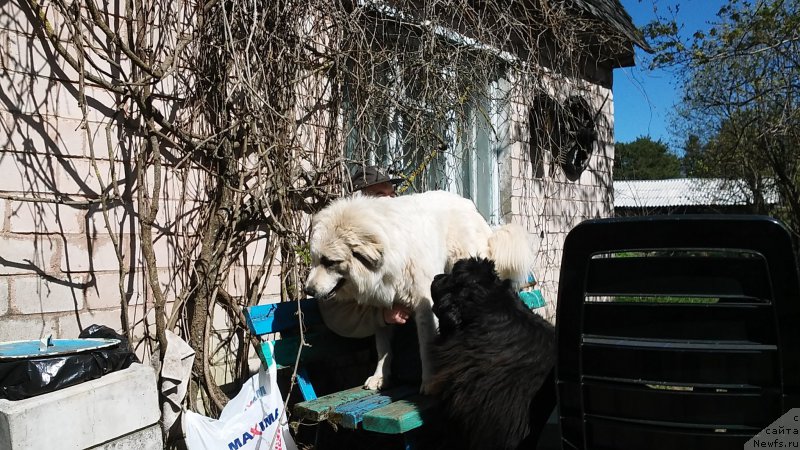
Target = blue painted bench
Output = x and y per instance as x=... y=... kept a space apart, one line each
x=397 y=411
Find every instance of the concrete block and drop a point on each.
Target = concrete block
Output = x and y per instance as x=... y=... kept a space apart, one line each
x=62 y=100
x=28 y=217
x=79 y=176
x=146 y=439
x=143 y=320
x=172 y=282
x=27 y=254
x=168 y=249
x=3 y=202
x=82 y=255
x=26 y=172
x=238 y=277
x=34 y=294
x=122 y=219
x=16 y=327
x=91 y=414
x=25 y=53
x=100 y=139
x=256 y=250
x=3 y=295
x=104 y=293
x=70 y=327
x=70 y=137
x=30 y=94
x=13 y=17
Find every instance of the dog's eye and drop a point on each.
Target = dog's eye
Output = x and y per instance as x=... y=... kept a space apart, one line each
x=327 y=262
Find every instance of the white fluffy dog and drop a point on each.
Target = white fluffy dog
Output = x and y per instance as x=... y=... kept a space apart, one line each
x=385 y=251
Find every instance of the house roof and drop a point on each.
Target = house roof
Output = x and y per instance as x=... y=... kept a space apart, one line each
x=614 y=13
x=684 y=192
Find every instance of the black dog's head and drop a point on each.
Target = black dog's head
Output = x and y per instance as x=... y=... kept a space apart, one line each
x=462 y=296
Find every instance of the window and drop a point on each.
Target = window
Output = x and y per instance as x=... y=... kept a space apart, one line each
x=479 y=139
x=428 y=131
x=567 y=131
x=542 y=125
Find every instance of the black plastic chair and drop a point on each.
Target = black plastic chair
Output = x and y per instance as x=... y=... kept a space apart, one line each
x=676 y=332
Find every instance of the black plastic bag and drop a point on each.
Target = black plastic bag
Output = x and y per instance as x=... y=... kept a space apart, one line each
x=20 y=379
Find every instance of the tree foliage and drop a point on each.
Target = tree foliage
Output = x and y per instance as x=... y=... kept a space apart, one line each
x=741 y=95
x=645 y=159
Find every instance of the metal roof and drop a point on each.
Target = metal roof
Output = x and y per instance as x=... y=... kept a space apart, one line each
x=683 y=192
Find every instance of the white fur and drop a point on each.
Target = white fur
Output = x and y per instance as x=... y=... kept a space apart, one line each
x=386 y=251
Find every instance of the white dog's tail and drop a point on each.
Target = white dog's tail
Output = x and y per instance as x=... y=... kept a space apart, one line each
x=513 y=253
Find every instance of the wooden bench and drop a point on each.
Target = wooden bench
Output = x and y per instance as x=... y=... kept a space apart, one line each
x=400 y=410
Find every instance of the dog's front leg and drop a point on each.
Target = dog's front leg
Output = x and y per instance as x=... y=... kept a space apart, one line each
x=383 y=342
x=427 y=324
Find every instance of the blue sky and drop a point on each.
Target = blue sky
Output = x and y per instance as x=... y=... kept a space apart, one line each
x=644 y=99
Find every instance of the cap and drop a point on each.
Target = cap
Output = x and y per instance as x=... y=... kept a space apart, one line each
x=368 y=176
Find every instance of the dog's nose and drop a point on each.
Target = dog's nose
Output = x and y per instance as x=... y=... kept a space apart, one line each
x=310 y=291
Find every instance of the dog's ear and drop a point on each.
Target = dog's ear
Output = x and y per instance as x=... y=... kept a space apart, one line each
x=368 y=249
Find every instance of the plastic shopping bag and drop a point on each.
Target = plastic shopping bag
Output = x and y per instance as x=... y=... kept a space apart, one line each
x=254 y=419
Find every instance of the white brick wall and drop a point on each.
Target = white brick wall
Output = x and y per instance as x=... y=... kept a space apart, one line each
x=69 y=327
x=3 y=296
x=35 y=326
x=553 y=206
x=122 y=220
x=239 y=276
x=103 y=293
x=24 y=172
x=45 y=218
x=20 y=255
x=35 y=294
x=85 y=255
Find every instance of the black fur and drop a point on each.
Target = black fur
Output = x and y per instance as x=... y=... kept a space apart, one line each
x=492 y=356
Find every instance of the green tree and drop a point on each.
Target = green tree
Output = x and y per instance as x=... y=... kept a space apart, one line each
x=741 y=95
x=645 y=159
x=692 y=164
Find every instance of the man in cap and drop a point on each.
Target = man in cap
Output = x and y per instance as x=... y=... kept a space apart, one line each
x=368 y=180
x=347 y=317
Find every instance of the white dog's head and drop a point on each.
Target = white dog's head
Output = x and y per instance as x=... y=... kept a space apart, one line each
x=346 y=253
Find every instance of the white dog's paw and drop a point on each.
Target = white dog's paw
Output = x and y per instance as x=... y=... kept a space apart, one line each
x=375 y=383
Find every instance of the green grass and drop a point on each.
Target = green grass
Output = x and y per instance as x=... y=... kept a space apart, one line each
x=703 y=300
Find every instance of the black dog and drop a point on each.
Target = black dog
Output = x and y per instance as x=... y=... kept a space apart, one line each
x=494 y=360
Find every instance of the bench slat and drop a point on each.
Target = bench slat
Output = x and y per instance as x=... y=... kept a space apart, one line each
x=323 y=345
x=319 y=409
x=349 y=415
x=275 y=317
x=400 y=416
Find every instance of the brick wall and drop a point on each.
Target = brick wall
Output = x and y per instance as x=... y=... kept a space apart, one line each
x=59 y=268
x=552 y=205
